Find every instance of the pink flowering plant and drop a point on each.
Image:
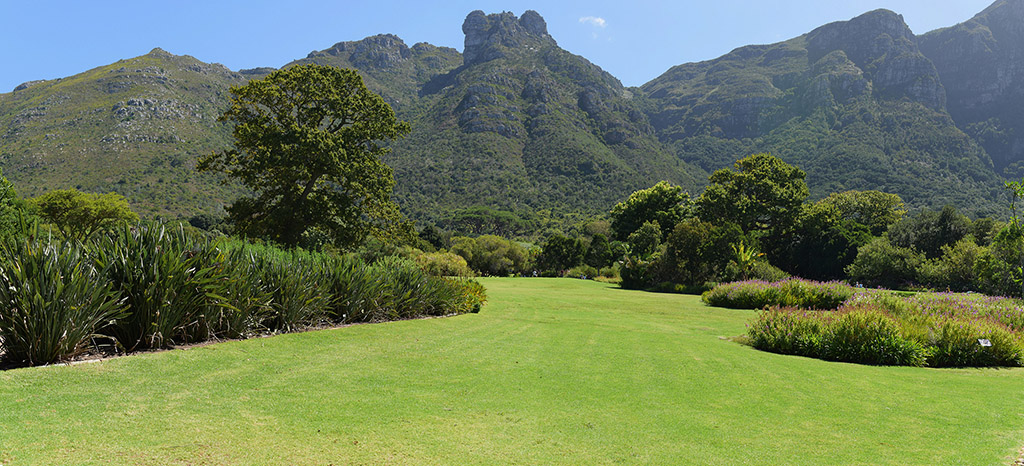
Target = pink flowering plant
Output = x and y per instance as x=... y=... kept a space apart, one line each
x=879 y=327
x=791 y=292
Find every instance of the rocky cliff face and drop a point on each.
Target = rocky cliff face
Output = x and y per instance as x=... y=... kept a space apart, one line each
x=524 y=124
x=389 y=67
x=489 y=37
x=854 y=103
x=882 y=47
x=981 y=62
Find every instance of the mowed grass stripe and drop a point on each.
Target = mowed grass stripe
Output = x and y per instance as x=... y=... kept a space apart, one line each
x=553 y=371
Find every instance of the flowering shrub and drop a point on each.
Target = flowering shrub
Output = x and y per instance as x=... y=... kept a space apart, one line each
x=935 y=329
x=793 y=292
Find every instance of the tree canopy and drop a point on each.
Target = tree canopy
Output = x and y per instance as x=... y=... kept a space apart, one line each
x=760 y=193
x=662 y=203
x=78 y=215
x=308 y=143
x=873 y=209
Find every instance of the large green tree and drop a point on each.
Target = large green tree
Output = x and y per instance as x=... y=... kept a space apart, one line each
x=760 y=193
x=873 y=209
x=930 y=230
x=308 y=143
x=763 y=195
x=662 y=203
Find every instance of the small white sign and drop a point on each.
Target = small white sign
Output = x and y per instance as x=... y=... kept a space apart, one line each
x=984 y=342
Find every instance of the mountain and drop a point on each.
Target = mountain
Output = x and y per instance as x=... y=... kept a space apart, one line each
x=390 y=68
x=981 y=62
x=856 y=104
x=524 y=126
x=515 y=134
x=134 y=127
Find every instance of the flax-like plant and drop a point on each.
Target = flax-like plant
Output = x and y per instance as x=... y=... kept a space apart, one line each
x=246 y=301
x=298 y=287
x=357 y=293
x=52 y=299
x=169 y=279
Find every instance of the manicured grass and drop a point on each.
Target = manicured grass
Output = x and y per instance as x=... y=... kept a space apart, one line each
x=552 y=371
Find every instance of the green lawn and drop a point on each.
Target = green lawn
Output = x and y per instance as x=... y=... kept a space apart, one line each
x=552 y=371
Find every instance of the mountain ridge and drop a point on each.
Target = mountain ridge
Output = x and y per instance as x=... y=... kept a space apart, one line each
x=518 y=125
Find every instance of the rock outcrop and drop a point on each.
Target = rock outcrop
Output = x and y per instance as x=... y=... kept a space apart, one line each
x=489 y=37
x=981 y=62
x=881 y=45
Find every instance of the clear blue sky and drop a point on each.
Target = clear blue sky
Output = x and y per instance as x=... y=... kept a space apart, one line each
x=635 y=41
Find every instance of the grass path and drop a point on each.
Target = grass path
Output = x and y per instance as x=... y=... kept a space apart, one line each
x=553 y=371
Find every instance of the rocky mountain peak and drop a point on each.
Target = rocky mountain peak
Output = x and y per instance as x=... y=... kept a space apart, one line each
x=1013 y=8
x=379 y=51
x=489 y=36
x=1005 y=18
x=881 y=44
x=159 y=53
x=863 y=39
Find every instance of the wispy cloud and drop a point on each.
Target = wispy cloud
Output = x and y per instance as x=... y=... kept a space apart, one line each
x=594 y=20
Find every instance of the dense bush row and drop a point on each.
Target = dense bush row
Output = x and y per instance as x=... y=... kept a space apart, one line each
x=793 y=292
x=937 y=330
x=153 y=286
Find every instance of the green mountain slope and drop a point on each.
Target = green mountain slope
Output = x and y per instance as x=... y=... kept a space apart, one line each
x=854 y=103
x=981 y=62
x=524 y=126
x=390 y=68
x=518 y=128
x=134 y=127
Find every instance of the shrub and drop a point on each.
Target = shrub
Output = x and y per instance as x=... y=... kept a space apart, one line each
x=955 y=269
x=957 y=343
x=491 y=255
x=879 y=263
x=757 y=294
x=409 y=292
x=637 y=274
x=868 y=336
x=786 y=331
x=581 y=271
x=52 y=300
x=938 y=330
x=610 y=271
x=442 y=264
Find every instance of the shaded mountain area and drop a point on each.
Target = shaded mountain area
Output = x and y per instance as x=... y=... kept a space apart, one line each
x=855 y=104
x=981 y=62
x=520 y=130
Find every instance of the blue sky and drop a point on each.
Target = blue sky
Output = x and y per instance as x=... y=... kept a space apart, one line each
x=635 y=41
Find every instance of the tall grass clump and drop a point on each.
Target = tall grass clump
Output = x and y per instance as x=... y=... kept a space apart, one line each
x=397 y=288
x=297 y=283
x=793 y=292
x=168 y=277
x=355 y=289
x=150 y=286
x=411 y=292
x=53 y=300
x=246 y=299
